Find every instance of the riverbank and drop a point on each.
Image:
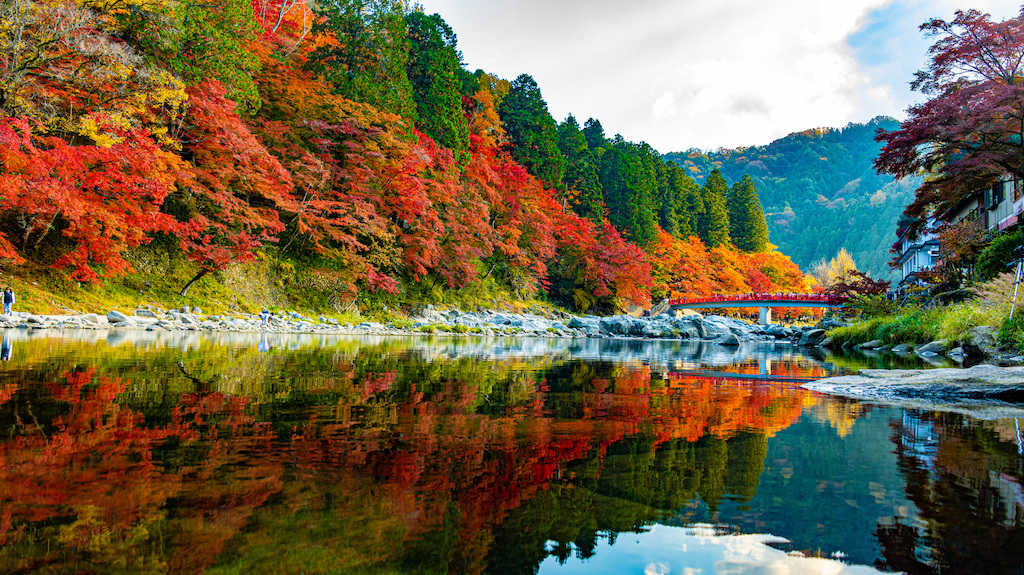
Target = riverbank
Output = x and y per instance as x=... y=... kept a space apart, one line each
x=428 y=319
x=984 y=391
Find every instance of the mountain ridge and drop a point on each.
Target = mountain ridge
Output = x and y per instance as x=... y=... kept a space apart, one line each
x=820 y=191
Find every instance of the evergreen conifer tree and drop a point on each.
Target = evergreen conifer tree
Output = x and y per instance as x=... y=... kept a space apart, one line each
x=594 y=134
x=629 y=185
x=581 y=175
x=434 y=70
x=532 y=132
x=747 y=226
x=713 y=222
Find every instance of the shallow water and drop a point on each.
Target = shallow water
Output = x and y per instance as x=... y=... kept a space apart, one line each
x=237 y=453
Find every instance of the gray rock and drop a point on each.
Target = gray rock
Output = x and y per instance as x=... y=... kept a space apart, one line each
x=827 y=342
x=974 y=388
x=728 y=339
x=935 y=347
x=828 y=323
x=873 y=344
x=980 y=341
x=144 y=313
x=957 y=352
x=812 y=337
x=902 y=348
x=115 y=317
x=35 y=319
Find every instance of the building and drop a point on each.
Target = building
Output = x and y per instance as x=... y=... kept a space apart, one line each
x=997 y=208
x=916 y=256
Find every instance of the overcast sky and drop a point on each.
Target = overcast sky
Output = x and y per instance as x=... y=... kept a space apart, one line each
x=705 y=74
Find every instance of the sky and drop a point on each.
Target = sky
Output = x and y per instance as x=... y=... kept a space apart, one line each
x=681 y=74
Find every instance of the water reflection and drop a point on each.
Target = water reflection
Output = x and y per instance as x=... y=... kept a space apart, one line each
x=695 y=549
x=241 y=453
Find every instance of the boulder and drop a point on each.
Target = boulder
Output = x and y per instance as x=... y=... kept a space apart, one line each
x=115 y=317
x=828 y=323
x=92 y=318
x=980 y=341
x=935 y=347
x=902 y=348
x=144 y=313
x=812 y=337
x=729 y=340
x=873 y=344
x=827 y=342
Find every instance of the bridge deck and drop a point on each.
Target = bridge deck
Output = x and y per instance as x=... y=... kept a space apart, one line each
x=756 y=300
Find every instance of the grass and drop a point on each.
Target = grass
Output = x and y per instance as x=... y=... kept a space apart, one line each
x=951 y=323
x=272 y=281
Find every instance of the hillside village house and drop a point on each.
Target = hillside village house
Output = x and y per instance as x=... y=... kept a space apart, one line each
x=997 y=208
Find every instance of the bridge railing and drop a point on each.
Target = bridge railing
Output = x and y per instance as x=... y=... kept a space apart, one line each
x=762 y=297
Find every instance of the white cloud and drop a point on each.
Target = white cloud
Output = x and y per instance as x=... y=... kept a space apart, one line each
x=665 y=106
x=692 y=73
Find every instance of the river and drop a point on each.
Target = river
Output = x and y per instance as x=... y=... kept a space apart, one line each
x=176 y=452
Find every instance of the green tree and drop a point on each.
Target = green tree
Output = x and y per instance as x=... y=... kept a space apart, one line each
x=594 y=133
x=747 y=226
x=435 y=71
x=532 y=132
x=713 y=221
x=629 y=182
x=581 y=176
x=678 y=200
x=998 y=255
x=367 y=59
x=212 y=44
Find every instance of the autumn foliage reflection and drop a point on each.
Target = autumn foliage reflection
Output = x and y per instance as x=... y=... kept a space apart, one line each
x=98 y=473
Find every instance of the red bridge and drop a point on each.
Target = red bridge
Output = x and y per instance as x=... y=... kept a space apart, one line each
x=765 y=301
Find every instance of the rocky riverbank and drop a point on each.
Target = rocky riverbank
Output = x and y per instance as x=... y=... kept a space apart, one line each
x=427 y=319
x=984 y=391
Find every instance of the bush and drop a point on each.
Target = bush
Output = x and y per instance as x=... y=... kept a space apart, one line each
x=995 y=259
x=1011 y=333
x=873 y=305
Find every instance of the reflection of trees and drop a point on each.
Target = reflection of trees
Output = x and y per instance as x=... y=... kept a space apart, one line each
x=966 y=481
x=434 y=466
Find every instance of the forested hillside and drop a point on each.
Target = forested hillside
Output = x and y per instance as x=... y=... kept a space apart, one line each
x=820 y=192
x=346 y=142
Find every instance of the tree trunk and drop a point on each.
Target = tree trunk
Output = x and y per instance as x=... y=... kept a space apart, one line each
x=198 y=276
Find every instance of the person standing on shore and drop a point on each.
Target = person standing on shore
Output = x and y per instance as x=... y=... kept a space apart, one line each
x=8 y=300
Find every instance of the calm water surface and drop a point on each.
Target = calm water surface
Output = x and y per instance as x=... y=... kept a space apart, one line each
x=153 y=452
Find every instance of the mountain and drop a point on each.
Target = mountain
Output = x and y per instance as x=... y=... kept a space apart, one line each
x=819 y=192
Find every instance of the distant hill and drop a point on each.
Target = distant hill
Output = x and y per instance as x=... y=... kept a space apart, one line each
x=819 y=192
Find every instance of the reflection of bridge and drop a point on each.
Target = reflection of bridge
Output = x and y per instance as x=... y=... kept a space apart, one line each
x=765 y=301
x=712 y=375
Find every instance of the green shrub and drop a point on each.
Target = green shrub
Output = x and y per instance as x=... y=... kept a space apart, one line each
x=876 y=305
x=994 y=259
x=429 y=328
x=458 y=328
x=1011 y=332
